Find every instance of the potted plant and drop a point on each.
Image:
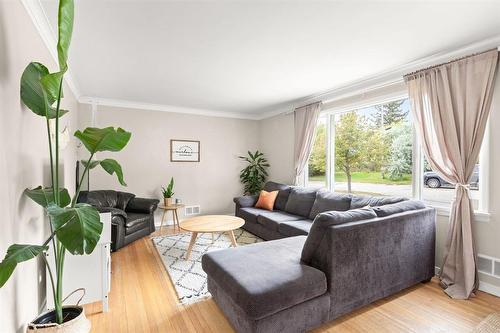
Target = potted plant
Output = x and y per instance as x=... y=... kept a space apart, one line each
x=254 y=175
x=75 y=227
x=168 y=192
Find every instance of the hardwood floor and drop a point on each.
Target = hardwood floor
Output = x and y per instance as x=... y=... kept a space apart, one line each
x=143 y=299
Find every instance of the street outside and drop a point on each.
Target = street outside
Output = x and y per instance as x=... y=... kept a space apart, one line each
x=434 y=195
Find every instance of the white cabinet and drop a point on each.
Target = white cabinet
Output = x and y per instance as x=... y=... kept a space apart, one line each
x=92 y=272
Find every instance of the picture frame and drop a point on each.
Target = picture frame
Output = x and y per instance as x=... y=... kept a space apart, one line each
x=184 y=150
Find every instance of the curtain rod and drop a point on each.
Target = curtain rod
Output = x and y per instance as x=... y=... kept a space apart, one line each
x=410 y=75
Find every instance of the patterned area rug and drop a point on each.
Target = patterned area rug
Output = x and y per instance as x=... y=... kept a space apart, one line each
x=490 y=324
x=188 y=277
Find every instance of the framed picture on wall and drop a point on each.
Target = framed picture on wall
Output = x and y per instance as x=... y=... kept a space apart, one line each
x=184 y=151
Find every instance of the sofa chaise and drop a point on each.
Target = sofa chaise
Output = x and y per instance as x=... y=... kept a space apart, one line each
x=329 y=254
x=131 y=217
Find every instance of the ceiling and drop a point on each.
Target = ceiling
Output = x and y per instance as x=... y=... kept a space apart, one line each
x=252 y=57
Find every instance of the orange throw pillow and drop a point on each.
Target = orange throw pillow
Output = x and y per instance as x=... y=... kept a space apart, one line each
x=266 y=200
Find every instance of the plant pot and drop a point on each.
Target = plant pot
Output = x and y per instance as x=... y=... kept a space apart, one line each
x=167 y=201
x=75 y=321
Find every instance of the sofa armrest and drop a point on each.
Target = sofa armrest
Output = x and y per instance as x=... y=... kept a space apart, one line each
x=246 y=201
x=367 y=260
x=113 y=211
x=142 y=205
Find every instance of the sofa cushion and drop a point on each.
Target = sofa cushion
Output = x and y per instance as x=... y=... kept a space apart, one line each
x=301 y=201
x=326 y=201
x=398 y=207
x=327 y=219
x=265 y=278
x=360 y=201
x=246 y=201
x=272 y=220
x=284 y=192
x=122 y=199
x=295 y=228
x=100 y=198
x=251 y=213
x=136 y=222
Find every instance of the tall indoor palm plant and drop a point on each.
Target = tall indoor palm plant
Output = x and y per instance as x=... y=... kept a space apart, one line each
x=254 y=175
x=75 y=227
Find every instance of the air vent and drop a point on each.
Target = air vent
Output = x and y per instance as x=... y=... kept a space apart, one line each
x=485 y=265
x=488 y=265
x=496 y=271
x=191 y=210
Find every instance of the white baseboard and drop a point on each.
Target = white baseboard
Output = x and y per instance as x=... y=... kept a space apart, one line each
x=483 y=286
x=489 y=288
x=166 y=222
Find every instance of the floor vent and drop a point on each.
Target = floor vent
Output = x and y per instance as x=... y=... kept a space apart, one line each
x=488 y=265
x=191 y=210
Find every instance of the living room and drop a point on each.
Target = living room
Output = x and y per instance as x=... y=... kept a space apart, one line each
x=288 y=166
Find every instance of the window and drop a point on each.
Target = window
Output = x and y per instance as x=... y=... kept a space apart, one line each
x=439 y=192
x=373 y=151
x=317 y=165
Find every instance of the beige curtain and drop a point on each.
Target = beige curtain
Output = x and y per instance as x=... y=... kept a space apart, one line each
x=450 y=105
x=306 y=118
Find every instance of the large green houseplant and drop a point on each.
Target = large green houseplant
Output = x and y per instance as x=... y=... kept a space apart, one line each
x=75 y=227
x=254 y=175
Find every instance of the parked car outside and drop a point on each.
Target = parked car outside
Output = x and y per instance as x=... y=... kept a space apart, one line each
x=433 y=180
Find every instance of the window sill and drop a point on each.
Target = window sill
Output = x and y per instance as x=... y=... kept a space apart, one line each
x=478 y=216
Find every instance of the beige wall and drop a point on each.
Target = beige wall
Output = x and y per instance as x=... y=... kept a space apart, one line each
x=24 y=163
x=276 y=142
x=212 y=183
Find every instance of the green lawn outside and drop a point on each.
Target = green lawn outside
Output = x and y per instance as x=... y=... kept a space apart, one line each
x=366 y=177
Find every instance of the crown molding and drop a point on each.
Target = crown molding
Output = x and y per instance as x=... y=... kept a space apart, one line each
x=165 y=108
x=41 y=22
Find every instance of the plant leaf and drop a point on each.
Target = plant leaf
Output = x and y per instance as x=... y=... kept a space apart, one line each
x=65 y=30
x=16 y=254
x=112 y=166
x=77 y=228
x=51 y=83
x=92 y=164
x=33 y=93
x=103 y=139
x=45 y=196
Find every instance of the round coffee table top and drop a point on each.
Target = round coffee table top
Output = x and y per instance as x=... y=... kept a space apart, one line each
x=212 y=223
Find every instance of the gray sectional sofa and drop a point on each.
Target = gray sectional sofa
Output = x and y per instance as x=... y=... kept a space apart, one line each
x=329 y=254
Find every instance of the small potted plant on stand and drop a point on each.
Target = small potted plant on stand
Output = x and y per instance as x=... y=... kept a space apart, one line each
x=74 y=227
x=168 y=193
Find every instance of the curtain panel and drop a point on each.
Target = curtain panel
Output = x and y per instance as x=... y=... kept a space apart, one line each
x=305 y=119
x=450 y=105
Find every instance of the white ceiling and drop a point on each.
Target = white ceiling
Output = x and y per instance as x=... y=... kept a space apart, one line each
x=256 y=56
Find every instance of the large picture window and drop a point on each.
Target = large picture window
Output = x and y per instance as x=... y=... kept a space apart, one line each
x=317 y=165
x=372 y=150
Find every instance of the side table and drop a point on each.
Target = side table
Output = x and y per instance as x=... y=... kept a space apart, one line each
x=173 y=208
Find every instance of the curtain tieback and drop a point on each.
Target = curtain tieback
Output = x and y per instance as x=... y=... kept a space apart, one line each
x=464 y=186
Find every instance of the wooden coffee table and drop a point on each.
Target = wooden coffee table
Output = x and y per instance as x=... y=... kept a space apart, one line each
x=211 y=224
